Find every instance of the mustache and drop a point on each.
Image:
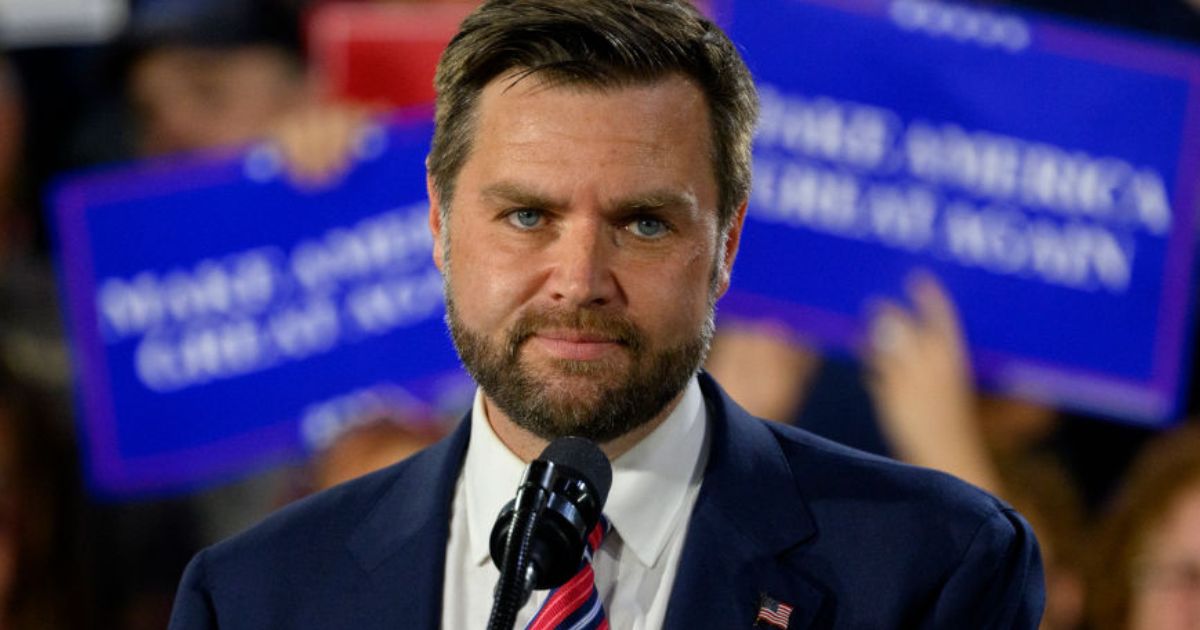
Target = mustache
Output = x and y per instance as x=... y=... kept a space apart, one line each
x=611 y=326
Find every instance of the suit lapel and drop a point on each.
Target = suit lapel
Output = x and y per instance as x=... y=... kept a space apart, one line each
x=402 y=542
x=748 y=517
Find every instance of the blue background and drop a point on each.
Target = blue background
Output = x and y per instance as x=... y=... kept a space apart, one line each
x=809 y=49
x=156 y=217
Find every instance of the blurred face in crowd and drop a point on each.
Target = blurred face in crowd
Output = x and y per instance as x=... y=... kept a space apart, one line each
x=1166 y=594
x=368 y=448
x=195 y=98
x=581 y=252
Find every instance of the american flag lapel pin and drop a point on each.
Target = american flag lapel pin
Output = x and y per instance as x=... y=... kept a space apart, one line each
x=772 y=612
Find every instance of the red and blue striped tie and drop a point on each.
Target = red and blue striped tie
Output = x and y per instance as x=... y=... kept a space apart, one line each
x=576 y=604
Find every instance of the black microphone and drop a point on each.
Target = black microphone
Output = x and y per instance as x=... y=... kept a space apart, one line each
x=539 y=537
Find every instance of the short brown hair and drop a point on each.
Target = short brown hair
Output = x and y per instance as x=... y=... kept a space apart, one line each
x=603 y=44
x=1167 y=468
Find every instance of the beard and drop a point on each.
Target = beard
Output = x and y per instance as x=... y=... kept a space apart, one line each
x=599 y=400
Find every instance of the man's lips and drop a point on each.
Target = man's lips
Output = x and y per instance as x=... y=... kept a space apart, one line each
x=576 y=345
x=576 y=336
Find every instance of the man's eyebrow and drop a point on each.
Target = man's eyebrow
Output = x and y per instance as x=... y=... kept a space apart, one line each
x=658 y=200
x=511 y=193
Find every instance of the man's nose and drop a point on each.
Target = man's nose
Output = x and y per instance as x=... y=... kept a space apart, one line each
x=583 y=274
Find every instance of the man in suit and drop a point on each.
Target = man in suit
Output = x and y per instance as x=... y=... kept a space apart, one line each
x=588 y=180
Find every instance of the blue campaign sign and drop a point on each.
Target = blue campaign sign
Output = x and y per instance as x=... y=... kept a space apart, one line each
x=223 y=319
x=1045 y=172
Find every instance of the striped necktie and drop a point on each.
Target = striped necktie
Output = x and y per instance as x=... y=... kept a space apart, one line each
x=576 y=604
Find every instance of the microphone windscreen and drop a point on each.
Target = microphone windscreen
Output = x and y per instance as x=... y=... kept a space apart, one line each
x=584 y=457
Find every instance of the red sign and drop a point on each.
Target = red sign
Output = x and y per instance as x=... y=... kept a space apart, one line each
x=382 y=54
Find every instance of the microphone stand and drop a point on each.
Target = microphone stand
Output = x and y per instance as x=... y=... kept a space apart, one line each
x=540 y=535
x=517 y=573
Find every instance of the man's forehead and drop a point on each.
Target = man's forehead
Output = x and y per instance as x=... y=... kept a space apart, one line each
x=664 y=120
x=520 y=104
x=525 y=120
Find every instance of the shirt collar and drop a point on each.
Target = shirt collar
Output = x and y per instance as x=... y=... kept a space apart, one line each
x=650 y=486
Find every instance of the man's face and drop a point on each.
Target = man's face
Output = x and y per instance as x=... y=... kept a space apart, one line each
x=581 y=252
x=1167 y=591
x=193 y=98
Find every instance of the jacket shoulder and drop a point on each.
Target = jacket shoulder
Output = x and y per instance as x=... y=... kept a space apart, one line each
x=314 y=523
x=967 y=558
x=832 y=472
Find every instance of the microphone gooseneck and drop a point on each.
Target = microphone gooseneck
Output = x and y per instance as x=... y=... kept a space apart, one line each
x=539 y=537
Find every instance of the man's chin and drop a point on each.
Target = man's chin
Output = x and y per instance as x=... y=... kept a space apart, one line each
x=583 y=388
x=596 y=373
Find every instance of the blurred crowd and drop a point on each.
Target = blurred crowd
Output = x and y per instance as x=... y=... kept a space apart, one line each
x=1116 y=507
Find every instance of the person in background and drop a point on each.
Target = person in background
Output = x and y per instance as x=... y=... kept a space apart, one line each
x=920 y=381
x=1146 y=574
x=211 y=74
x=41 y=550
x=769 y=367
x=373 y=441
x=222 y=74
x=192 y=96
x=370 y=446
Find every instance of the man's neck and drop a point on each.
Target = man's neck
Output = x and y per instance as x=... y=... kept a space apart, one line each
x=528 y=446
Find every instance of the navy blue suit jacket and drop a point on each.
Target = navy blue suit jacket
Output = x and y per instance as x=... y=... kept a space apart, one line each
x=848 y=540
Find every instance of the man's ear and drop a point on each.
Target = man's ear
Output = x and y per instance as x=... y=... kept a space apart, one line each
x=435 y=221
x=732 y=239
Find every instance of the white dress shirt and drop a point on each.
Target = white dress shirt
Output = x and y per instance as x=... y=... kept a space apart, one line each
x=654 y=489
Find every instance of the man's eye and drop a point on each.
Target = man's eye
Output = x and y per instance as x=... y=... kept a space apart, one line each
x=646 y=227
x=525 y=218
